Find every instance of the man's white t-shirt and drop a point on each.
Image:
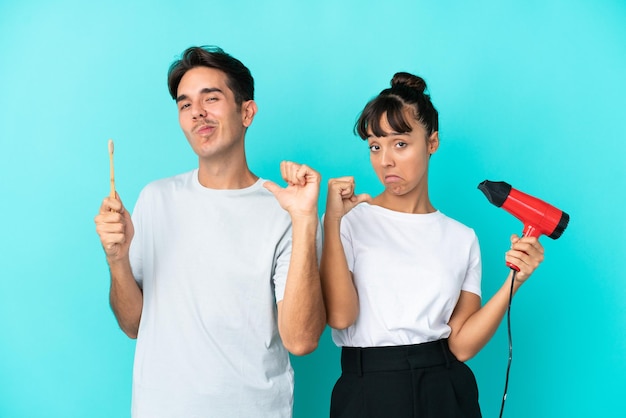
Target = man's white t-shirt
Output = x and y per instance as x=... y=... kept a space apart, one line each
x=212 y=265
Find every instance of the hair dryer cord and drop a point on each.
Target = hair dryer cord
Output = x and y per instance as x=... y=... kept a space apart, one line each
x=508 y=322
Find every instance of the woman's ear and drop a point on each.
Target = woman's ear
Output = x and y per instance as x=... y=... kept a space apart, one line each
x=433 y=142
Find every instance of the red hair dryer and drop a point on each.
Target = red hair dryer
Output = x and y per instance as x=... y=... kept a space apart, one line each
x=539 y=217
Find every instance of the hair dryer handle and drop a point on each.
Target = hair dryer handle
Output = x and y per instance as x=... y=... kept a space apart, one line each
x=512 y=266
x=529 y=231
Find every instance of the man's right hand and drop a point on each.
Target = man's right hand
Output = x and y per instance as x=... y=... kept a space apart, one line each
x=115 y=228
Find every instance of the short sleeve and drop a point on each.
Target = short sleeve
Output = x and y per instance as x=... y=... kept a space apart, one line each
x=284 y=257
x=473 y=275
x=346 y=241
x=281 y=264
x=135 y=251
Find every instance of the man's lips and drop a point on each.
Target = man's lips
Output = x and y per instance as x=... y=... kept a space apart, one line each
x=205 y=129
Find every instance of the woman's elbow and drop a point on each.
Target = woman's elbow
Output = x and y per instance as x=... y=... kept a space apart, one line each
x=302 y=348
x=339 y=321
x=463 y=357
x=462 y=354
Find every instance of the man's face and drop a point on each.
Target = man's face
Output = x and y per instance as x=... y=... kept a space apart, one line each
x=209 y=116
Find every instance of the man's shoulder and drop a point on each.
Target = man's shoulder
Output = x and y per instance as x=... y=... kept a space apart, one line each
x=173 y=182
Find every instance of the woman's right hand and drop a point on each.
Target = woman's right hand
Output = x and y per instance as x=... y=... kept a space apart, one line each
x=341 y=197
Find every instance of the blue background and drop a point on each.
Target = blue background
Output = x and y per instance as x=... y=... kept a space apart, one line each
x=532 y=93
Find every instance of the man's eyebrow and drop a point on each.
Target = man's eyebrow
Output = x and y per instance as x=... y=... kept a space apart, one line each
x=203 y=91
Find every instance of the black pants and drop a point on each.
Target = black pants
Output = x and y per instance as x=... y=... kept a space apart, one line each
x=412 y=381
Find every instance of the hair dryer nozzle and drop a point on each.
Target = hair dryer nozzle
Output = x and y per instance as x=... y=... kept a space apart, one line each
x=496 y=191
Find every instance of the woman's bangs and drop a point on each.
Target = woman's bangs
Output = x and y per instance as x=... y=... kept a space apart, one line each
x=390 y=107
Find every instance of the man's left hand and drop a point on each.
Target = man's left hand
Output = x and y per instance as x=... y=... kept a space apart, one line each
x=300 y=196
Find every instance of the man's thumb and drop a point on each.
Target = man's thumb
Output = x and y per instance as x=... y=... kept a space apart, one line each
x=271 y=186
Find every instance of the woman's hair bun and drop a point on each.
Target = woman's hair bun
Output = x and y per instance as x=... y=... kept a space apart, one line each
x=408 y=80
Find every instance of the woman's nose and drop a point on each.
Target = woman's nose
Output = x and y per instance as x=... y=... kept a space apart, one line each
x=386 y=158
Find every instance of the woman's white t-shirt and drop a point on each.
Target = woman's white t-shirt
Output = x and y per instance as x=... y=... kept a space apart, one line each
x=409 y=271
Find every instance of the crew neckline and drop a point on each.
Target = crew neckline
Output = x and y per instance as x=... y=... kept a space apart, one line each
x=404 y=216
x=245 y=190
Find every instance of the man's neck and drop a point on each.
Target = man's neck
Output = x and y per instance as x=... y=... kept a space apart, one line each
x=225 y=174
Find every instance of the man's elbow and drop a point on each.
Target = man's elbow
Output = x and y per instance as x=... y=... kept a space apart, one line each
x=131 y=332
x=131 y=329
x=302 y=344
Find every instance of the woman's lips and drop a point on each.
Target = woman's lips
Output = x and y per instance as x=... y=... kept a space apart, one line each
x=391 y=178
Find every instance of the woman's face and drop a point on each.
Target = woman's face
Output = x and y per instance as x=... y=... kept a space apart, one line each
x=400 y=160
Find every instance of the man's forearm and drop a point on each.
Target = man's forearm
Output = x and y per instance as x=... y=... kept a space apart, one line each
x=301 y=312
x=126 y=297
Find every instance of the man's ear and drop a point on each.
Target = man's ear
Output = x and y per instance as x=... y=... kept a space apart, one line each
x=248 y=110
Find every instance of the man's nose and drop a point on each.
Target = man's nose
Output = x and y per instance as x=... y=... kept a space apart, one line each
x=197 y=111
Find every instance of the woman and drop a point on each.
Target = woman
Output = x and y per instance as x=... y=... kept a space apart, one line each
x=401 y=280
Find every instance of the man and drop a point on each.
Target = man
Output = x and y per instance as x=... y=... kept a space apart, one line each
x=216 y=273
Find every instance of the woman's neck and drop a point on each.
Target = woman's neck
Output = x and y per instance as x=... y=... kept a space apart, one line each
x=404 y=203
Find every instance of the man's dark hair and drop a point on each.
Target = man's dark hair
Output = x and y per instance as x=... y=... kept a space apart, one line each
x=238 y=77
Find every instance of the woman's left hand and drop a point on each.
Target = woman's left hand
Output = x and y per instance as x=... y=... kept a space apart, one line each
x=526 y=253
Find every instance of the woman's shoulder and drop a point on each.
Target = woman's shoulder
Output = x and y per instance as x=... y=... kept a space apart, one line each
x=360 y=211
x=457 y=226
